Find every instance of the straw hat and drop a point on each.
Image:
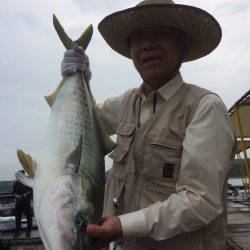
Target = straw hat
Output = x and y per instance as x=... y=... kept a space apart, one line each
x=202 y=31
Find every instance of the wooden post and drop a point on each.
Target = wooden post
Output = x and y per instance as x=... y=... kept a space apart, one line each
x=242 y=141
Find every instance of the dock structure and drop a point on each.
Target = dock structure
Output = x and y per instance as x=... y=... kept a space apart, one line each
x=238 y=237
x=240 y=117
x=7 y=242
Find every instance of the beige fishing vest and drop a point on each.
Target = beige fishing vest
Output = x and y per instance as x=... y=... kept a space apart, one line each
x=146 y=167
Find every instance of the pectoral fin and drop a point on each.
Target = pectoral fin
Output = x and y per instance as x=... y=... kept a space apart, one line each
x=24 y=179
x=108 y=143
x=72 y=162
x=27 y=163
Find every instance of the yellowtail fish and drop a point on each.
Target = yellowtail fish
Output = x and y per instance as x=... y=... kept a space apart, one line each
x=68 y=171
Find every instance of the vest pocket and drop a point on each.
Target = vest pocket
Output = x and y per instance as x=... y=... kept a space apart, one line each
x=113 y=189
x=116 y=184
x=125 y=135
x=156 y=192
x=162 y=162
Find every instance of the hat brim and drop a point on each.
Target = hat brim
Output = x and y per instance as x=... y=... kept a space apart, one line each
x=202 y=31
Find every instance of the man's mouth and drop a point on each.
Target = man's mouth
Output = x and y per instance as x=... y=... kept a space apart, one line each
x=151 y=58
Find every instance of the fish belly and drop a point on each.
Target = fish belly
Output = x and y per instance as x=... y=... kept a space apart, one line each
x=56 y=213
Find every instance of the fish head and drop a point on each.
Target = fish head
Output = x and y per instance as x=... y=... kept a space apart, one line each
x=61 y=220
x=81 y=239
x=83 y=216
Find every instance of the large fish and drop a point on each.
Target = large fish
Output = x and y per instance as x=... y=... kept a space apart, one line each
x=68 y=171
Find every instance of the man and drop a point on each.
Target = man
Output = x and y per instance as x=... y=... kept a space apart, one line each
x=22 y=195
x=174 y=139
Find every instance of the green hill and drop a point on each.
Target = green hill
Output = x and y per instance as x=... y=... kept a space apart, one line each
x=235 y=171
x=6 y=187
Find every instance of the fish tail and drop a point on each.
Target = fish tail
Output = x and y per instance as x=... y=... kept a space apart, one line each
x=82 y=41
x=67 y=42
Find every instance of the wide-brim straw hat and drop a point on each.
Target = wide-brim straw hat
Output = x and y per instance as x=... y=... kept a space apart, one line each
x=202 y=33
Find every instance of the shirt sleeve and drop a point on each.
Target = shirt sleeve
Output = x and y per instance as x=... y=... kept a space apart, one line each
x=110 y=111
x=207 y=149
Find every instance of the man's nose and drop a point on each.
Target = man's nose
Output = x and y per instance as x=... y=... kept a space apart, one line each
x=148 y=45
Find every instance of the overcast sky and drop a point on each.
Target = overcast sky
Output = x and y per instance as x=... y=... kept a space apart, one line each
x=31 y=53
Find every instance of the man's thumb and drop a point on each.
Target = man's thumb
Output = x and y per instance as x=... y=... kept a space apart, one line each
x=95 y=231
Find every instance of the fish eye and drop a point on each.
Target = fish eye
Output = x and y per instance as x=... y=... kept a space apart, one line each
x=78 y=222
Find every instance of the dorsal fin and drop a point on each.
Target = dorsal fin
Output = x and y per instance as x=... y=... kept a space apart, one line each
x=51 y=98
x=27 y=162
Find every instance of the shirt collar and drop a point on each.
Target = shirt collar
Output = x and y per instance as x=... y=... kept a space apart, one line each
x=171 y=87
x=167 y=90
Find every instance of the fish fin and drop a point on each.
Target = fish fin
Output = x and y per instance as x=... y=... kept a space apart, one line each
x=90 y=92
x=72 y=162
x=108 y=144
x=85 y=38
x=51 y=98
x=24 y=179
x=82 y=41
x=27 y=163
x=67 y=42
x=95 y=183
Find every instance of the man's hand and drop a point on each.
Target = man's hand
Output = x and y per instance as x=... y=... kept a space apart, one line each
x=110 y=230
x=75 y=60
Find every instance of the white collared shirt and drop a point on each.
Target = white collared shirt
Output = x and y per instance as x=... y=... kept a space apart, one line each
x=163 y=94
x=202 y=148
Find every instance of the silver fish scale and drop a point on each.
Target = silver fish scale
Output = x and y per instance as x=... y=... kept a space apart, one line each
x=66 y=118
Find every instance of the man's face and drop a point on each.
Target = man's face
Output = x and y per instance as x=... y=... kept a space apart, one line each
x=155 y=51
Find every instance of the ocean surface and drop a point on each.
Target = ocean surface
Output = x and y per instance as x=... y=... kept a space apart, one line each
x=235 y=181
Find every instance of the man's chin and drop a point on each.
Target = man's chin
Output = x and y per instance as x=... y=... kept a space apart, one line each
x=153 y=76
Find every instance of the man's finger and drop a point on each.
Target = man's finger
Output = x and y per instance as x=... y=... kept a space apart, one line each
x=104 y=219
